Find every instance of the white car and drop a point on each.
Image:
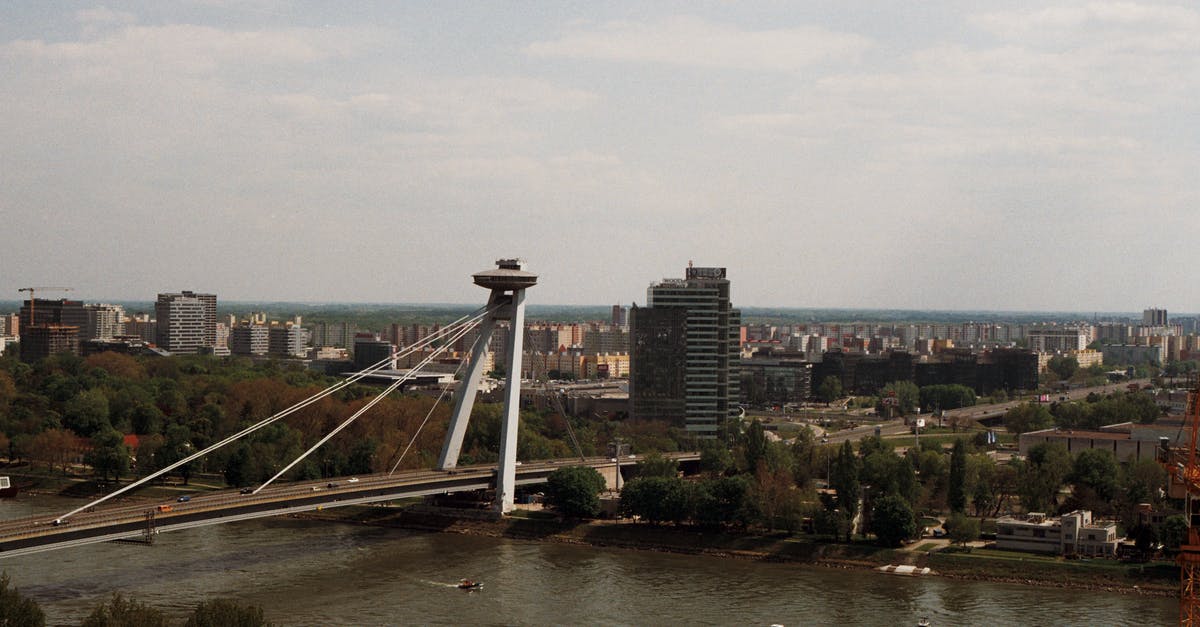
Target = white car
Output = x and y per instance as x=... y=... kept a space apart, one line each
x=352 y=480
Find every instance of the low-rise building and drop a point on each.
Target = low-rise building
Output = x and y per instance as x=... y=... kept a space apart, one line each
x=1071 y=534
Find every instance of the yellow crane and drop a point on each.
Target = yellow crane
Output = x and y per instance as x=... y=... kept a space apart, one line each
x=1182 y=465
x=32 y=300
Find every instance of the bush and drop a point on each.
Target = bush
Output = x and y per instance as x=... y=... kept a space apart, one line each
x=574 y=491
x=18 y=611
x=226 y=613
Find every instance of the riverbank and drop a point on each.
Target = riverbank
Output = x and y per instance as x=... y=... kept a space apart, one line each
x=1155 y=579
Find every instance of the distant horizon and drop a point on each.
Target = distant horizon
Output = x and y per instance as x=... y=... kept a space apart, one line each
x=760 y=310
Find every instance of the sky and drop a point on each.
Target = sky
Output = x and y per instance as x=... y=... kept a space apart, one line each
x=1038 y=155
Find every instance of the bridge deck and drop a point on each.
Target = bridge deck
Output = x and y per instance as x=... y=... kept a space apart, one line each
x=128 y=520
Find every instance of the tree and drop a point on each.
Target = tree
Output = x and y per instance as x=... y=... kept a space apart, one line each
x=1094 y=476
x=1064 y=367
x=16 y=610
x=843 y=478
x=892 y=521
x=715 y=458
x=961 y=529
x=86 y=413
x=1042 y=475
x=226 y=613
x=121 y=612
x=109 y=454
x=1027 y=417
x=655 y=465
x=574 y=491
x=755 y=445
x=906 y=393
x=829 y=390
x=653 y=499
x=956 y=494
x=1174 y=531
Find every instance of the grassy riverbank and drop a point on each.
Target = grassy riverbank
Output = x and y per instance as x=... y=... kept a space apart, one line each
x=1160 y=579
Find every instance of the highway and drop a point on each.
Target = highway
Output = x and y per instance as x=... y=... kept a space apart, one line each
x=138 y=519
x=975 y=412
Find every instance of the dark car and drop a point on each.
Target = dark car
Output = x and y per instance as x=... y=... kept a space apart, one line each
x=184 y=499
x=247 y=491
x=331 y=485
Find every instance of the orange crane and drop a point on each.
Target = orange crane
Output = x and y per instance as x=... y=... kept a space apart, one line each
x=1181 y=464
x=32 y=300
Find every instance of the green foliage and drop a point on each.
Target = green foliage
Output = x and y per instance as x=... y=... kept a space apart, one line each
x=1099 y=411
x=655 y=465
x=226 y=613
x=829 y=390
x=961 y=529
x=1094 y=475
x=956 y=496
x=121 y=612
x=574 y=491
x=715 y=458
x=892 y=520
x=1174 y=531
x=844 y=479
x=1064 y=367
x=906 y=393
x=943 y=397
x=109 y=455
x=1042 y=475
x=754 y=445
x=654 y=499
x=17 y=611
x=1027 y=417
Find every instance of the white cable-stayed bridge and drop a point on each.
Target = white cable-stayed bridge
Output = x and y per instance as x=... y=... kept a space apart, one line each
x=103 y=520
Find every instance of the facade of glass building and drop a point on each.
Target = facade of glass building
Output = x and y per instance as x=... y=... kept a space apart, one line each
x=684 y=352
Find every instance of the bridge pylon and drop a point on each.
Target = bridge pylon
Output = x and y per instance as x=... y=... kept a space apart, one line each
x=507 y=302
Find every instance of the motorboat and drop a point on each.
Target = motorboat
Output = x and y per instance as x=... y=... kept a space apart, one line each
x=7 y=489
x=467 y=584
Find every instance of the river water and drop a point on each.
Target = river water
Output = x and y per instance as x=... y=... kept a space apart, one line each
x=316 y=573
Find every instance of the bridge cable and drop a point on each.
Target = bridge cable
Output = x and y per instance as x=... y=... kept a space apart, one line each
x=422 y=425
x=561 y=410
x=389 y=389
x=470 y=319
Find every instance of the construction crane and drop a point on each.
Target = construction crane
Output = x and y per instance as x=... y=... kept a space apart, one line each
x=1181 y=464
x=32 y=300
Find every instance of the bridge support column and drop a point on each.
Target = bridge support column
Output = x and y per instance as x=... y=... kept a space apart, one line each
x=506 y=302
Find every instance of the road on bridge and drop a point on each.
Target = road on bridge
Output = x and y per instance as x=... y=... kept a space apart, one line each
x=138 y=519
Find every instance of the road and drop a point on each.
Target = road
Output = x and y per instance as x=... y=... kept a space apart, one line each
x=976 y=412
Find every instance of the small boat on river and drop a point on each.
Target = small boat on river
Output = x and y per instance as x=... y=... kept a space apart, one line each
x=467 y=584
x=7 y=489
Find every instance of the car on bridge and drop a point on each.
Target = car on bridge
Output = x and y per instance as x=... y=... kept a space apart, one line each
x=183 y=499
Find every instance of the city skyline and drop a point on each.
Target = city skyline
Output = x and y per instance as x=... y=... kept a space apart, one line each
x=952 y=156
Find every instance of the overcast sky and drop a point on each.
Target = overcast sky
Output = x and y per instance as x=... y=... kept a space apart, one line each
x=951 y=155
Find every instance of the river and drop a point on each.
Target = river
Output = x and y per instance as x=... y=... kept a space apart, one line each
x=317 y=573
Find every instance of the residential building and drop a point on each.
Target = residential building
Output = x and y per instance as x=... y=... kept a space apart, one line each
x=249 y=338
x=187 y=322
x=684 y=352
x=1129 y=354
x=103 y=322
x=10 y=325
x=1052 y=338
x=288 y=340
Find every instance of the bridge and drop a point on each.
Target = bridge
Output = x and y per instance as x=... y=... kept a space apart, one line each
x=141 y=520
x=97 y=522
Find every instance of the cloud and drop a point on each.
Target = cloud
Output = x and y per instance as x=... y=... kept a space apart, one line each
x=696 y=42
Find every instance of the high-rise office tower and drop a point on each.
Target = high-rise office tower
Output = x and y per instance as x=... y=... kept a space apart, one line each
x=187 y=322
x=684 y=352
